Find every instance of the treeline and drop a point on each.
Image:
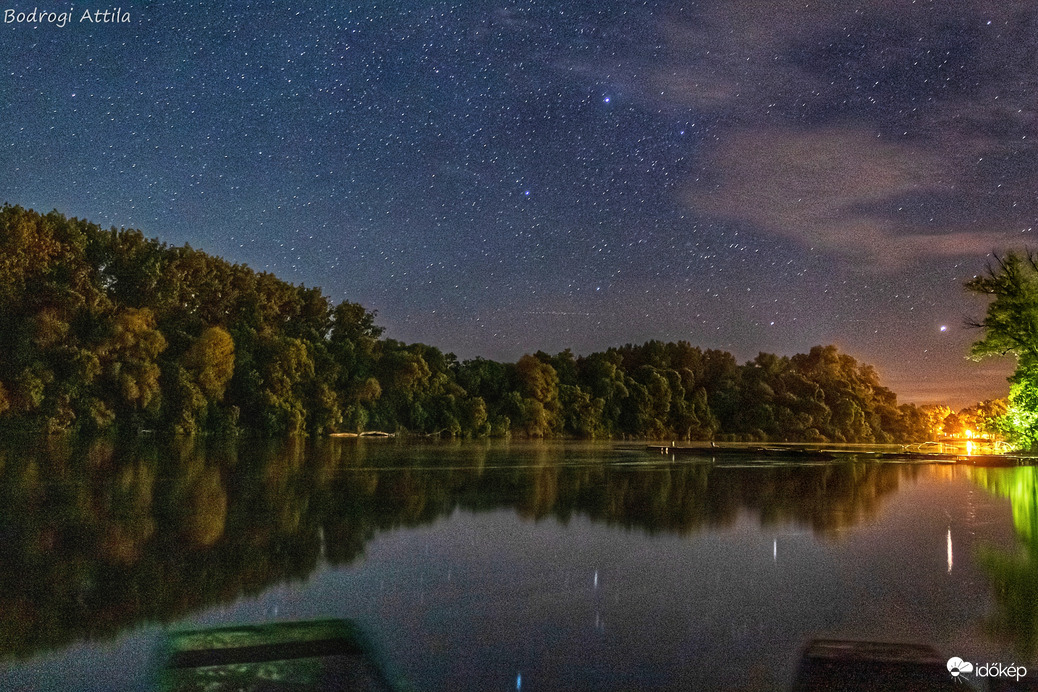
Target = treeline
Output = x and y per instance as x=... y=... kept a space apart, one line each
x=106 y=329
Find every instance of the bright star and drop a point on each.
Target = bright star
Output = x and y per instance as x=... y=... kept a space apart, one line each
x=944 y=327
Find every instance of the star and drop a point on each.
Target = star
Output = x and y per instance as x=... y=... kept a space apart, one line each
x=843 y=185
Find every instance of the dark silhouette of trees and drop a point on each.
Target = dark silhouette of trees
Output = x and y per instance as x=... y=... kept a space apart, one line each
x=108 y=330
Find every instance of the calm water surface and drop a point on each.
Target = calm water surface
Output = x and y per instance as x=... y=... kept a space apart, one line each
x=500 y=566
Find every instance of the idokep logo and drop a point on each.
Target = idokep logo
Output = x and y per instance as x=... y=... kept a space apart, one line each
x=957 y=667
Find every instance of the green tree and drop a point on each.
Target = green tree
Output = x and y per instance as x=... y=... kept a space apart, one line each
x=211 y=359
x=1011 y=328
x=539 y=387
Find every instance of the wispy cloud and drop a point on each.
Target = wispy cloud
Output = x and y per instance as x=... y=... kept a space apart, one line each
x=836 y=189
x=873 y=130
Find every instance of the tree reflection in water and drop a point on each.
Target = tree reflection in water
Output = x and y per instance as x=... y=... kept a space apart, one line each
x=1014 y=574
x=98 y=537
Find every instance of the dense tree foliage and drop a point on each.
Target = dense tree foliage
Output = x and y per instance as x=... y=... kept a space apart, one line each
x=105 y=329
x=1011 y=328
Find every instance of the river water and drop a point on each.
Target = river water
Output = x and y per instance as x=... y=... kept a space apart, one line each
x=505 y=565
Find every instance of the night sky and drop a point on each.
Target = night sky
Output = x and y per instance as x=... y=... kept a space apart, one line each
x=496 y=178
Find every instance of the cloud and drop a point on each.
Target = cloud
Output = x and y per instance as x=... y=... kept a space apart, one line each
x=757 y=59
x=834 y=189
x=873 y=130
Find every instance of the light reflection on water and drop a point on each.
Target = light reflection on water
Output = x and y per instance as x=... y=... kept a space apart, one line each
x=495 y=566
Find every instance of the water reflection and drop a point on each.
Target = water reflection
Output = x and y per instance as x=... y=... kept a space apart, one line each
x=98 y=537
x=1014 y=573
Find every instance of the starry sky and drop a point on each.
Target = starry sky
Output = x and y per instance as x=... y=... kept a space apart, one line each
x=495 y=178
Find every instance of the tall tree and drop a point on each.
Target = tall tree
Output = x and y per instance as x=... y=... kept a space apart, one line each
x=1011 y=328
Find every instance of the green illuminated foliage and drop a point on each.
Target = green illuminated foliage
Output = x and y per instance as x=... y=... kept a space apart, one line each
x=1011 y=328
x=1011 y=323
x=1019 y=424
